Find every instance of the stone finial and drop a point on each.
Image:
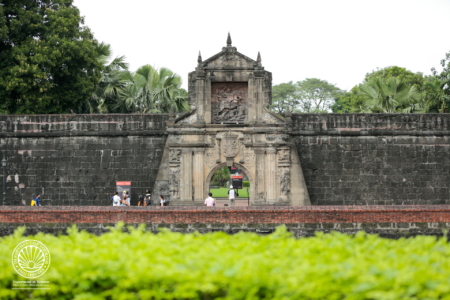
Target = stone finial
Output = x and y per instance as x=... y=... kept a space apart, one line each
x=199 y=59
x=259 y=58
x=229 y=40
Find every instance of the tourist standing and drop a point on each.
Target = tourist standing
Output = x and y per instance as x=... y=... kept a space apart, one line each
x=148 y=198
x=125 y=200
x=141 y=201
x=162 y=201
x=116 y=199
x=128 y=198
x=231 y=195
x=210 y=201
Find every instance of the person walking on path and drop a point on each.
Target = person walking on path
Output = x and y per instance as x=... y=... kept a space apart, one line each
x=210 y=201
x=116 y=199
x=231 y=195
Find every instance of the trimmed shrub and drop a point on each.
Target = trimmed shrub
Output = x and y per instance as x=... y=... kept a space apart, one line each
x=246 y=184
x=142 y=265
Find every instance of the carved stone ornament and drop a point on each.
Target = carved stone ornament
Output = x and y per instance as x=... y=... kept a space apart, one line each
x=283 y=155
x=229 y=102
x=174 y=177
x=211 y=157
x=230 y=145
x=175 y=155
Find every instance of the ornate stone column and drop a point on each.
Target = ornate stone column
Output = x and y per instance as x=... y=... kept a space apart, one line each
x=271 y=175
x=198 y=177
x=259 y=180
x=186 y=175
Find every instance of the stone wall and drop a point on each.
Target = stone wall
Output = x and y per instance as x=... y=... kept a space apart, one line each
x=374 y=159
x=347 y=159
x=387 y=221
x=76 y=159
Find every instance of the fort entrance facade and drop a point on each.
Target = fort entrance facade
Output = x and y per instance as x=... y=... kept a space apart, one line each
x=229 y=124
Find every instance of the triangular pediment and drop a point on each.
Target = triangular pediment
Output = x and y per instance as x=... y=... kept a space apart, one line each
x=228 y=58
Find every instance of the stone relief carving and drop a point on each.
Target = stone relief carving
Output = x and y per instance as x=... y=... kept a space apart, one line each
x=283 y=155
x=230 y=145
x=175 y=155
x=174 y=178
x=249 y=159
x=271 y=137
x=229 y=102
x=211 y=157
x=285 y=180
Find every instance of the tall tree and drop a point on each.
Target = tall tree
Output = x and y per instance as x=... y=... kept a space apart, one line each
x=316 y=95
x=111 y=82
x=284 y=95
x=406 y=76
x=47 y=57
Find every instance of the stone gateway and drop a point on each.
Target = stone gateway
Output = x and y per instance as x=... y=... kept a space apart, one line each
x=230 y=125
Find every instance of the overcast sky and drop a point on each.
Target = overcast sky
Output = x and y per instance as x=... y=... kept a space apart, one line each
x=335 y=40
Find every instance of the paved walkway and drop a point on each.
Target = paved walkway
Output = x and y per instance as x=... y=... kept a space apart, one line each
x=238 y=201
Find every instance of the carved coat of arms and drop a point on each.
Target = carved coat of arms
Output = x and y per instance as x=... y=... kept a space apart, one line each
x=230 y=146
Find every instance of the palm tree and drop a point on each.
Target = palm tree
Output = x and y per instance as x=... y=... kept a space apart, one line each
x=436 y=100
x=390 y=95
x=111 y=81
x=150 y=90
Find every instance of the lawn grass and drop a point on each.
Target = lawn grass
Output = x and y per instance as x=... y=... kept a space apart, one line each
x=223 y=192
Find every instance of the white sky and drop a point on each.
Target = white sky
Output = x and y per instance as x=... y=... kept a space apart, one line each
x=335 y=40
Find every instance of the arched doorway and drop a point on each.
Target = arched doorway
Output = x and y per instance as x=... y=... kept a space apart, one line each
x=237 y=165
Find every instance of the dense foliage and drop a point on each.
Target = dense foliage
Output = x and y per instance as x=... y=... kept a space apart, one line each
x=148 y=90
x=142 y=265
x=47 y=57
x=311 y=95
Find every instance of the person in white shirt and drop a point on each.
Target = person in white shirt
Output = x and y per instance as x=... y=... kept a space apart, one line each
x=210 y=201
x=231 y=195
x=116 y=199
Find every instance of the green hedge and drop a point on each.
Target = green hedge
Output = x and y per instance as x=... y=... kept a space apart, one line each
x=142 y=265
